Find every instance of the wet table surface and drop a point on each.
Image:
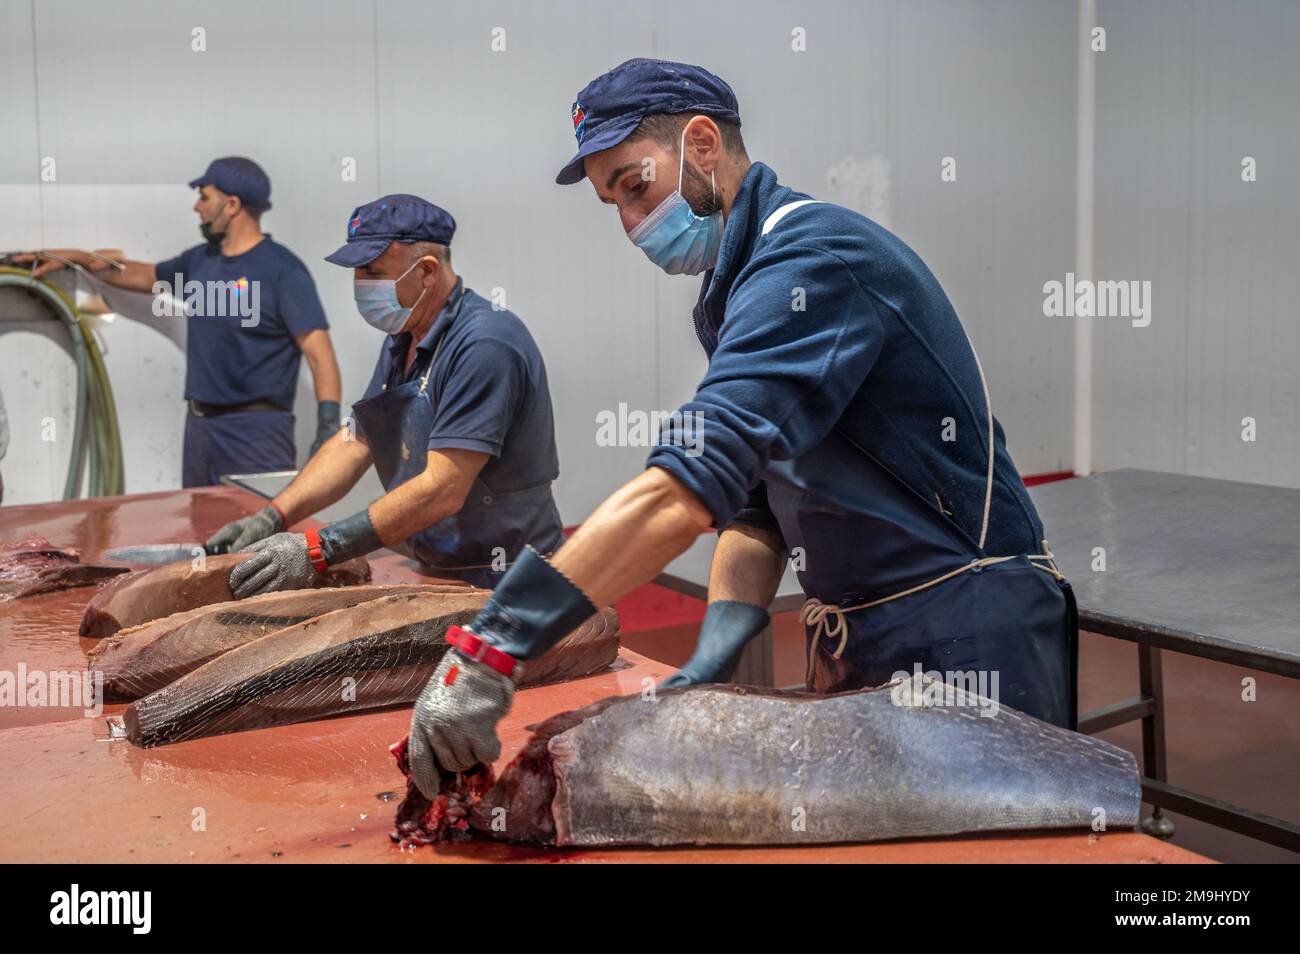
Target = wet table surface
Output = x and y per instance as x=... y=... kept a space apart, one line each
x=1191 y=564
x=315 y=792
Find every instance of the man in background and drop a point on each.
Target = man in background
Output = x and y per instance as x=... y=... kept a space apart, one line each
x=252 y=313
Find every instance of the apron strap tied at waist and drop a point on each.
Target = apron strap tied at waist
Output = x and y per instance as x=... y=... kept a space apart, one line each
x=827 y=619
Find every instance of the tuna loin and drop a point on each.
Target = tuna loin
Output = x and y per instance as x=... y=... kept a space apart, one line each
x=731 y=765
x=140 y=660
x=175 y=587
x=377 y=654
x=37 y=566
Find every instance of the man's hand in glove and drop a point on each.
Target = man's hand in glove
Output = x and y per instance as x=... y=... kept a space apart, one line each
x=455 y=721
x=280 y=562
x=287 y=561
x=240 y=533
x=728 y=626
x=454 y=725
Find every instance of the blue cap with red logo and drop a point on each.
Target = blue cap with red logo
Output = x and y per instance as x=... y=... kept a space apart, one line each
x=612 y=105
x=394 y=218
x=235 y=175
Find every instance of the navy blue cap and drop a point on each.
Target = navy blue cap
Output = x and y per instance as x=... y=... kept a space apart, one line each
x=235 y=175
x=394 y=218
x=612 y=105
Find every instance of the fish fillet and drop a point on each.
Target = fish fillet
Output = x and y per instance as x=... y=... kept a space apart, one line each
x=377 y=654
x=175 y=587
x=734 y=765
x=35 y=565
x=137 y=661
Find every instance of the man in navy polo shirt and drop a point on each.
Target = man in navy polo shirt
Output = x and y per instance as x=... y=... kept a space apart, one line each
x=457 y=421
x=844 y=413
x=252 y=312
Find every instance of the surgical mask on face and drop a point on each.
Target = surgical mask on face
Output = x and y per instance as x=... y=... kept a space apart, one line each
x=211 y=234
x=376 y=299
x=674 y=237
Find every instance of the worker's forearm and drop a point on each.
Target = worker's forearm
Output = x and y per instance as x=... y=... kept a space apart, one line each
x=327 y=380
x=632 y=536
x=327 y=477
x=324 y=366
x=747 y=565
x=414 y=506
x=133 y=276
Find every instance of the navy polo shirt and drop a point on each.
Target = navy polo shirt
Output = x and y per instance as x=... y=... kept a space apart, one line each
x=487 y=386
x=232 y=356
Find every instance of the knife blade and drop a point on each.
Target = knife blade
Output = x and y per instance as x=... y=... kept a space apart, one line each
x=155 y=553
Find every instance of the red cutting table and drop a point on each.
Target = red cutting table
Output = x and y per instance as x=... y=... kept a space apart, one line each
x=315 y=792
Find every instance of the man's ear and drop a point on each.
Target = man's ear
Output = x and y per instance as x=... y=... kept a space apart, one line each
x=703 y=143
x=432 y=270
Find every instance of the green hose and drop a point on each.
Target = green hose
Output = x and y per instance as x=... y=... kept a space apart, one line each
x=108 y=474
x=95 y=429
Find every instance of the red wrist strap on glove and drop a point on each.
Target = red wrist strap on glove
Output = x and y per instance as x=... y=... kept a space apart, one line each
x=314 y=552
x=480 y=650
x=284 y=524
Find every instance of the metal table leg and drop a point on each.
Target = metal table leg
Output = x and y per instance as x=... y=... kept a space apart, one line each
x=1151 y=686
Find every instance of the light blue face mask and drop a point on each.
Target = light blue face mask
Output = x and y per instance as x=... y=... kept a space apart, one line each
x=674 y=237
x=376 y=299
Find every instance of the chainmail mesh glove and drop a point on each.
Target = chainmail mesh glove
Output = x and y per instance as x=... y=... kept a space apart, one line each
x=454 y=725
x=455 y=721
x=278 y=563
x=240 y=533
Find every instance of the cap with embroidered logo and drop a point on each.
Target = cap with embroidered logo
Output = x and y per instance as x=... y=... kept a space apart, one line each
x=612 y=105
x=393 y=218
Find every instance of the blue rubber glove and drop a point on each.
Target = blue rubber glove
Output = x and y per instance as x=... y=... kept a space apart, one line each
x=327 y=423
x=351 y=537
x=728 y=626
x=454 y=725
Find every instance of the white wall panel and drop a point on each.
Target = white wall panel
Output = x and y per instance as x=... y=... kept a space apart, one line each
x=1184 y=93
x=415 y=93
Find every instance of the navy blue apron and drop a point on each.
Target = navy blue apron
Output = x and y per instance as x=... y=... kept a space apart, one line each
x=947 y=605
x=959 y=609
x=478 y=543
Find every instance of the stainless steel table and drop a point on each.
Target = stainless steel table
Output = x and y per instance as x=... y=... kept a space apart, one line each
x=1210 y=568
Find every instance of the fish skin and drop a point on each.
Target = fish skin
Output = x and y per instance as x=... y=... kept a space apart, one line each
x=143 y=659
x=159 y=591
x=390 y=646
x=733 y=765
x=34 y=565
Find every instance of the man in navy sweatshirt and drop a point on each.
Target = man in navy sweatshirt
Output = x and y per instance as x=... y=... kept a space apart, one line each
x=844 y=413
